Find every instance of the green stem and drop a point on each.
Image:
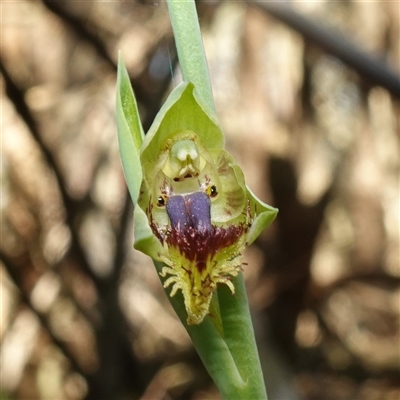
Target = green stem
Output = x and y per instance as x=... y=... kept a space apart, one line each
x=239 y=337
x=192 y=58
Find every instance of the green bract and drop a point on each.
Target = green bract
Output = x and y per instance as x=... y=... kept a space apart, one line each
x=193 y=210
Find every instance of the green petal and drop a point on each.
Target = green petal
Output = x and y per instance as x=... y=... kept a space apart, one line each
x=262 y=214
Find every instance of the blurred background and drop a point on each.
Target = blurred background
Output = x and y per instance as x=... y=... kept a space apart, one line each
x=309 y=115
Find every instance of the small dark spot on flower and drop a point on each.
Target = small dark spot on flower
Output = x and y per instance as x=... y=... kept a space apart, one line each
x=213 y=191
x=160 y=201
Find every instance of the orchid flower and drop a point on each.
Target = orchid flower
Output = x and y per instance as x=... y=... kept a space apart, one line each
x=193 y=211
x=194 y=214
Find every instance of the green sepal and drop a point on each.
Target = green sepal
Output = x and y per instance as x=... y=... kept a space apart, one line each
x=130 y=131
x=184 y=110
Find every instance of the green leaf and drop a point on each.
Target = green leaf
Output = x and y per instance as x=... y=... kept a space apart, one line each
x=130 y=131
x=188 y=41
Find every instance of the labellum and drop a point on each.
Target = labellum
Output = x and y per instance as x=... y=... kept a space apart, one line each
x=197 y=210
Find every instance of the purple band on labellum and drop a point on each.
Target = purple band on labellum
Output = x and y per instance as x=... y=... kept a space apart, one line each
x=199 y=207
x=176 y=211
x=192 y=210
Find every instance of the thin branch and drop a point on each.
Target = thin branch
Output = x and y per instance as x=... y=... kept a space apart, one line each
x=374 y=70
x=76 y=24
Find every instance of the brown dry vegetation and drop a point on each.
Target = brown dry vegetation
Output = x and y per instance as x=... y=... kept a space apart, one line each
x=83 y=315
